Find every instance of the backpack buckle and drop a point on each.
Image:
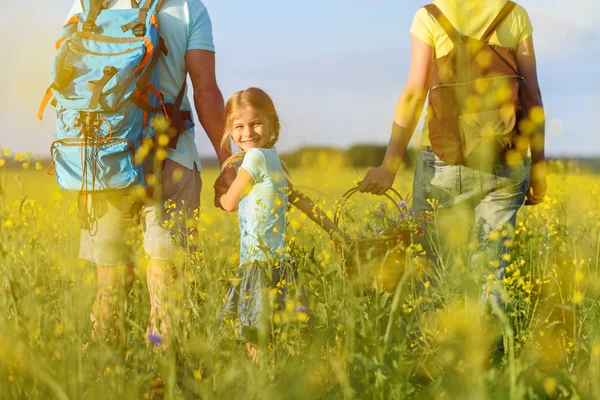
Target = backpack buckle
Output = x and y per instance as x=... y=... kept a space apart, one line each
x=88 y=26
x=139 y=30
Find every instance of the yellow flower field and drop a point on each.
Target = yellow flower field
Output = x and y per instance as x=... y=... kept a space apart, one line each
x=431 y=338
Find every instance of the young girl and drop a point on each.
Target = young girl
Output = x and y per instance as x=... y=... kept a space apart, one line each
x=261 y=194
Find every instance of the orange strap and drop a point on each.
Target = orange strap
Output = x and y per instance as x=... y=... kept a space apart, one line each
x=45 y=102
x=147 y=56
x=154 y=21
x=72 y=20
x=51 y=170
x=160 y=97
x=59 y=42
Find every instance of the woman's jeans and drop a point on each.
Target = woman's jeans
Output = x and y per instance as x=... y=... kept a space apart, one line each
x=460 y=208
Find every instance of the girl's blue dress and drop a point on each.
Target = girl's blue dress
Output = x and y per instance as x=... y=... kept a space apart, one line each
x=265 y=265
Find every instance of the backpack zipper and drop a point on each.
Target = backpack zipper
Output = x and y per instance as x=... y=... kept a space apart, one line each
x=441 y=85
x=79 y=143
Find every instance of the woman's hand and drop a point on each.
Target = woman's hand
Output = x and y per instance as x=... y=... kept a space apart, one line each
x=536 y=191
x=537 y=185
x=377 y=181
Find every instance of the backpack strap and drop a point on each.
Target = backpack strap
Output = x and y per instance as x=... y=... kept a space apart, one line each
x=143 y=85
x=139 y=26
x=144 y=12
x=176 y=116
x=95 y=6
x=445 y=23
x=144 y=81
x=96 y=87
x=505 y=12
x=63 y=78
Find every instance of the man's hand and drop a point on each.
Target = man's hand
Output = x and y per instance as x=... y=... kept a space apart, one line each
x=222 y=184
x=377 y=181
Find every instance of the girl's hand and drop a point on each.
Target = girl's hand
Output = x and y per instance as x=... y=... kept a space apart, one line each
x=241 y=185
x=377 y=181
x=222 y=184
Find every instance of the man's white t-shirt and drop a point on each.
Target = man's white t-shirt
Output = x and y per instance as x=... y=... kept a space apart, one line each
x=184 y=25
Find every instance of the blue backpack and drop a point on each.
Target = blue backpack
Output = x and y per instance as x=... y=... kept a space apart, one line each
x=104 y=84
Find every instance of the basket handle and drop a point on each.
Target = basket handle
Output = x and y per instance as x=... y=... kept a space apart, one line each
x=355 y=190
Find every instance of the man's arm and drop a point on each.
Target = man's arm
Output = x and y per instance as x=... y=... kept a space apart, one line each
x=534 y=126
x=208 y=99
x=407 y=114
x=210 y=108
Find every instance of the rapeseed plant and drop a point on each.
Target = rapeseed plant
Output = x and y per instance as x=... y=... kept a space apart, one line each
x=431 y=337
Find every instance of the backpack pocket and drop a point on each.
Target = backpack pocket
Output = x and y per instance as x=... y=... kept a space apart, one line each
x=109 y=68
x=487 y=134
x=127 y=123
x=95 y=166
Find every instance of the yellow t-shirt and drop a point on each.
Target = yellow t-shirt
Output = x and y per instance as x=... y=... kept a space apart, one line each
x=471 y=18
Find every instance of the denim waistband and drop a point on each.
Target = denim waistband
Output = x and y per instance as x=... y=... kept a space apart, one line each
x=427 y=148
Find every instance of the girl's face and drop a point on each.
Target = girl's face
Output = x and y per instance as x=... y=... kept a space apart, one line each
x=250 y=129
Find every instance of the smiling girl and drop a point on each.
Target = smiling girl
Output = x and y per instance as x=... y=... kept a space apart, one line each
x=260 y=194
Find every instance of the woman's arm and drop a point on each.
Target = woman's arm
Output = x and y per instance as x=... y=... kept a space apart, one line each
x=241 y=185
x=407 y=114
x=307 y=206
x=534 y=126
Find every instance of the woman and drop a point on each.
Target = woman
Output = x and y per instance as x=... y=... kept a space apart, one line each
x=477 y=133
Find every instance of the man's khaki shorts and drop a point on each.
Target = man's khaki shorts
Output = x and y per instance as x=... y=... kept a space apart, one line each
x=111 y=241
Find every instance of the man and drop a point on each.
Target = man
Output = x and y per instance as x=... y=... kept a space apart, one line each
x=186 y=29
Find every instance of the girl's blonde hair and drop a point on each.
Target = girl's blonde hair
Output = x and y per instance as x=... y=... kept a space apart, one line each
x=260 y=101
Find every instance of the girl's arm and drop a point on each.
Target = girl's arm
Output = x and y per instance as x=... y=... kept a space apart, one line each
x=407 y=114
x=307 y=206
x=241 y=185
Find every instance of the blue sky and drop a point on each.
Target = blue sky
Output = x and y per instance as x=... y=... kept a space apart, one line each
x=335 y=68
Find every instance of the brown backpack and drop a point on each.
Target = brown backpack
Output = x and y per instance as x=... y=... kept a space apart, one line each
x=474 y=107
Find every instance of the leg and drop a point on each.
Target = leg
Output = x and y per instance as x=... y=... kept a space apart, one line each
x=162 y=279
x=253 y=353
x=435 y=183
x=165 y=238
x=498 y=210
x=106 y=247
x=110 y=280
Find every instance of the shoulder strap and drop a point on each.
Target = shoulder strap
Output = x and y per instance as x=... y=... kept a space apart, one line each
x=177 y=116
x=139 y=26
x=505 y=12
x=144 y=6
x=95 y=6
x=444 y=23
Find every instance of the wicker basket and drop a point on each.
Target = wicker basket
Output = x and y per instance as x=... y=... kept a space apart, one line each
x=378 y=262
